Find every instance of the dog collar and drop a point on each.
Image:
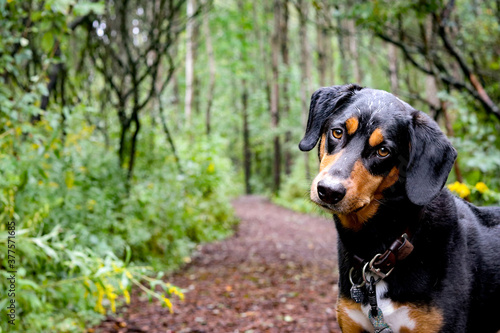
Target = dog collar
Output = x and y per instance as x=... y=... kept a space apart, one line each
x=382 y=264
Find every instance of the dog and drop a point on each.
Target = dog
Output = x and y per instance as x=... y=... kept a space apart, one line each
x=412 y=256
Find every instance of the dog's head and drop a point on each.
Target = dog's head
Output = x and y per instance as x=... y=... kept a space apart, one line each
x=371 y=143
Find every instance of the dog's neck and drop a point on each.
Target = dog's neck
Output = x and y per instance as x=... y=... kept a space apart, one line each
x=376 y=234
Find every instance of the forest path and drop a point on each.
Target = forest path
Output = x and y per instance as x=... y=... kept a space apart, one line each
x=276 y=274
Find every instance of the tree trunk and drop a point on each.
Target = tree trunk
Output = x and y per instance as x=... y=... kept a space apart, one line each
x=211 y=69
x=353 y=50
x=285 y=93
x=344 y=74
x=324 y=45
x=247 y=158
x=305 y=71
x=188 y=100
x=275 y=96
x=195 y=104
x=392 y=53
x=431 y=82
x=133 y=145
x=166 y=130
x=261 y=37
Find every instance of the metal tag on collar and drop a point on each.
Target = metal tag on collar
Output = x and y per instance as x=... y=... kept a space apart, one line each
x=357 y=290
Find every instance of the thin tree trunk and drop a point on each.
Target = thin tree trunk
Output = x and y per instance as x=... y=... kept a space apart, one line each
x=211 y=69
x=344 y=74
x=353 y=50
x=285 y=94
x=320 y=46
x=431 y=83
x=275 y=96
x=264 y=56
x=328 y=46
x=305 y=71
x=188 y=100
x=392 y=53
x=166 y=130
x=247 y=160
x=133 y=145
x=196 y=80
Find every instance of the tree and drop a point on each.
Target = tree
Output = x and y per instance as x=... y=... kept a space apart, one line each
x=188 y=101
x=127 y=45
x=305 y=70
x=275 y=116
x=451 y=58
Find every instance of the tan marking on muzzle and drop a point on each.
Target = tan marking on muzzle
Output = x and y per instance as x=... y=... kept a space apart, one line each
x=328 y=160
x=352 y=125
x=376 y=138
x=322 y=147
x=364 y=191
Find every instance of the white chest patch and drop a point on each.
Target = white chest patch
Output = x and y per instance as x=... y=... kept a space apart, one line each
x=395 y=316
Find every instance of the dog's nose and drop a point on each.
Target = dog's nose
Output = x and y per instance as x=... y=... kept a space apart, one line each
x=331 y=193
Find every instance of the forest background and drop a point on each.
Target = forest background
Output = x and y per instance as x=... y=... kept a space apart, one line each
x=127 y=126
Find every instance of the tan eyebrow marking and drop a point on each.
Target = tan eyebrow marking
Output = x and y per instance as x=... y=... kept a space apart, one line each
x=376 y=138
x=352 y=125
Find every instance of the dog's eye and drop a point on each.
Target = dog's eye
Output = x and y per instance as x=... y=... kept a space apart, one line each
x=383 y=152
x=337 y=133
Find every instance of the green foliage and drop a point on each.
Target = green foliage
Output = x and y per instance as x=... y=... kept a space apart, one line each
x=80 y=236
x=84 y=233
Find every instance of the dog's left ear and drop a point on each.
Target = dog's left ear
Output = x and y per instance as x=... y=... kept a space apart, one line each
x=324 y=102
x=431 y=159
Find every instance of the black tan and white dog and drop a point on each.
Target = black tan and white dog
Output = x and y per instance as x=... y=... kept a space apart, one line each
x=412 y=257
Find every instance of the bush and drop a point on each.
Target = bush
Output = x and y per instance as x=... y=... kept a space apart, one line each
x=81 y=240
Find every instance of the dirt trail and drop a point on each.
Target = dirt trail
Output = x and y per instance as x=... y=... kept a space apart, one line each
x=276 y=274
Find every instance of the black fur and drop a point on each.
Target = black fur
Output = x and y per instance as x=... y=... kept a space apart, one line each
x=455 y=265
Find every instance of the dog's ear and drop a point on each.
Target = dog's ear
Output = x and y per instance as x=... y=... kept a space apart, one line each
x=431 y=159
x=324 y=102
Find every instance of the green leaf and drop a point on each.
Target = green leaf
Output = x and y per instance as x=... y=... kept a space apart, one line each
x=85 y=8
x=47 y=41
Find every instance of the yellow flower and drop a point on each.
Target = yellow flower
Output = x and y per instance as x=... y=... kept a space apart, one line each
x=125 y=292
x=111 y=296
x=169 y=304
x=127 y=296
x=175 y=291
x=459 y=188
x=481 y=187
x=100 y=296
